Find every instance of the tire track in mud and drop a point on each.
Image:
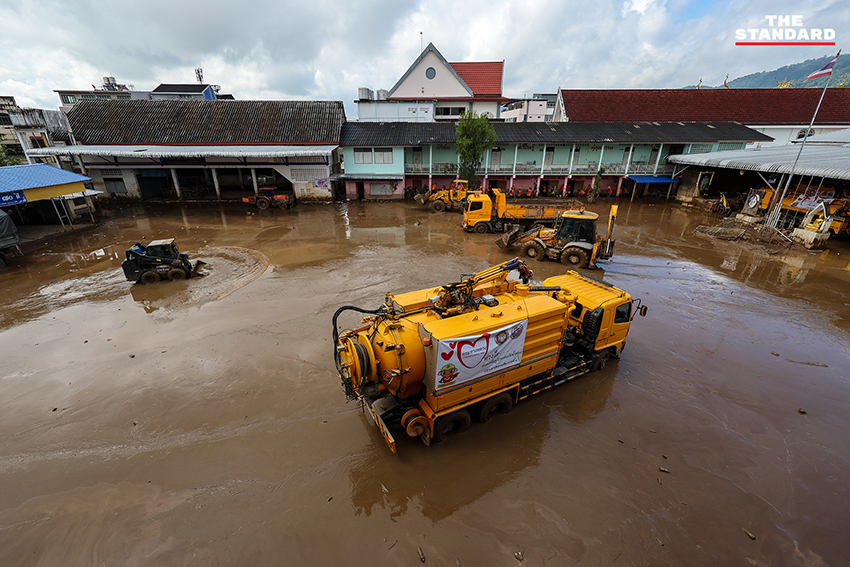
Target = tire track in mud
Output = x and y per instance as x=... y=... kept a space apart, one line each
x=228 y=268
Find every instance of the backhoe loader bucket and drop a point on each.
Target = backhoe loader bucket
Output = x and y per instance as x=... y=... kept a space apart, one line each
x=420 y=198
x=507 y=239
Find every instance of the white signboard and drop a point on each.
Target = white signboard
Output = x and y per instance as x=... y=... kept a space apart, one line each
x=466 y=358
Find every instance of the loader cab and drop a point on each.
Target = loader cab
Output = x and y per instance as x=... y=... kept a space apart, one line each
x=576 y=227
x=163 y=249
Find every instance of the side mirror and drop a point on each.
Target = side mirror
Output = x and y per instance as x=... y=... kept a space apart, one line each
x=643 y=310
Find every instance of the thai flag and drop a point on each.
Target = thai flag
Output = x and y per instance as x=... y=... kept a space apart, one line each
x=823 y=71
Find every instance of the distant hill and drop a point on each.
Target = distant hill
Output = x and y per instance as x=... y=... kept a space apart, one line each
x=795 y=73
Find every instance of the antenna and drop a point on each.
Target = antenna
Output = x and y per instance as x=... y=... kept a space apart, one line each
x=199 y=74
x=421 y=47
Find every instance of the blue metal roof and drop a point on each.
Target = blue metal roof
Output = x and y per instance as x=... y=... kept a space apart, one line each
x=20 y=177
x=652 y=179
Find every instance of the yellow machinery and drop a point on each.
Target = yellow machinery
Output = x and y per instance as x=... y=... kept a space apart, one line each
x=573 y=241
x=425 y=362
x=443 y=199
x=482 y=214
x=802 y=200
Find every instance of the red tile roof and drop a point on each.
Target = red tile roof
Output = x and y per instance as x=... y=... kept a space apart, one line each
x=484 y=78
x=747 y=106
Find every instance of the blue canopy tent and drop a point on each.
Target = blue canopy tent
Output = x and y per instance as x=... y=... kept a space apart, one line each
x=651 y=179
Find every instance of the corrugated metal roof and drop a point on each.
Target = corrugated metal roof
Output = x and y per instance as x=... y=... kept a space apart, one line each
x=820 y=161
x=370 y=134
x=20 y=177
x=157 y=152
x=203 y=122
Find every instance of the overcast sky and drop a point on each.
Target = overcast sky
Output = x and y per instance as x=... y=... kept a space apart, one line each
x=324 y=49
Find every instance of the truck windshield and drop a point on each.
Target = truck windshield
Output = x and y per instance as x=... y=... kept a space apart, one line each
x=476 y=206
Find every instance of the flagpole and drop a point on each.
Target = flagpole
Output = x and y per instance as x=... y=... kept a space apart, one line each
x=773 y=218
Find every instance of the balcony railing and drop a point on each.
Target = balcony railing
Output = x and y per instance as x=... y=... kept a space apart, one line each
x=535 y=169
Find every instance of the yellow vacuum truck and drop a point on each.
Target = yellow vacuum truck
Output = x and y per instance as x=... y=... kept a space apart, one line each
x=428 y=361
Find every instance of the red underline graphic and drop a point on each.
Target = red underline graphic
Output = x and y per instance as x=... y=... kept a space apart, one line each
x=785 y=43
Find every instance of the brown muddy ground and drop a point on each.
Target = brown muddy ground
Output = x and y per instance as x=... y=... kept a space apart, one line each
x=201 y=422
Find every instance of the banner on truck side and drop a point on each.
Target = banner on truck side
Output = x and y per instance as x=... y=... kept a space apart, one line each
x=467 y=358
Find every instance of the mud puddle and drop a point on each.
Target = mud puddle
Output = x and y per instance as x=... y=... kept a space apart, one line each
x=202 y=422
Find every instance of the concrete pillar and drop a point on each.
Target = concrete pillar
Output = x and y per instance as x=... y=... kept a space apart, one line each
x=254 y=179
x=176 y=183
x=572 y=153
x=215 y=182
x=628 y=162
x=537 y=189
x=657 y=160
x=620 y=184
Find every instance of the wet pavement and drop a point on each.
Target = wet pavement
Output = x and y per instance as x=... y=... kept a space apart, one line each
x=201 y=422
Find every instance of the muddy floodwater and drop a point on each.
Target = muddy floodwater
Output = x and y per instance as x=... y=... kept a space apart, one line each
x=201 y=422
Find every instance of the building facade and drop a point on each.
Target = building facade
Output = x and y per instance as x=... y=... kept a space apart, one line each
x=220 y=149
x=433 y=89
x=388 y=160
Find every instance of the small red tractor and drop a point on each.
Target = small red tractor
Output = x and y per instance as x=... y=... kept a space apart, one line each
x=268 y=198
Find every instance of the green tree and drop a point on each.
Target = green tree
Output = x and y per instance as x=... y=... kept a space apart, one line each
x=6 y=159
x=475 y=136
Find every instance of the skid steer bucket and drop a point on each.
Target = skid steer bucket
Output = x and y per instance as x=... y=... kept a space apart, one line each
x=197 y=266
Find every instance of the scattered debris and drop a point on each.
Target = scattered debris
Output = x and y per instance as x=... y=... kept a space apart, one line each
x=820 y=364
x=620 y=440
x=751 y=536
x=659 y=481
x=518 y=556
x=393 y=545
x=662 y=469
x=421 y=555
x=801 y=411
x=331 y=498
x=774 y=353
x=652 y=431
x=663 y=456
x=132 y=356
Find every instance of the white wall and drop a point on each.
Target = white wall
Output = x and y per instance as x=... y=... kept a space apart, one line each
x=394 y=111
x=783 y=135
x=444 y=83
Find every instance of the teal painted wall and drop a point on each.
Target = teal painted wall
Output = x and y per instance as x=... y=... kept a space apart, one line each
x=397 y=166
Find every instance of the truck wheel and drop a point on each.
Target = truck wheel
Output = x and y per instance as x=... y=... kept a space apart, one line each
x=503 y=403
x=573 y=256
x=149 y=277
x=532 y=250
x=481 y=228
x=438 y=206
x=450 y=424
x=263 y=203
x=176 y=274
x=601 y=361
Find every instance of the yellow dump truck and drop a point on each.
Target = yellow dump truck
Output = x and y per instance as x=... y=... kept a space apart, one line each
x=445 y=199
x=427 y=361
x=482 y=214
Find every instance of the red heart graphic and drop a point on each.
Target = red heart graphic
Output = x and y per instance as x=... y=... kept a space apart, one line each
x=476 y=355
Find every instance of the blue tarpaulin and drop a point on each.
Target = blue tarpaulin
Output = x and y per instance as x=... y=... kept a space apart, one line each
x=652 y=179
